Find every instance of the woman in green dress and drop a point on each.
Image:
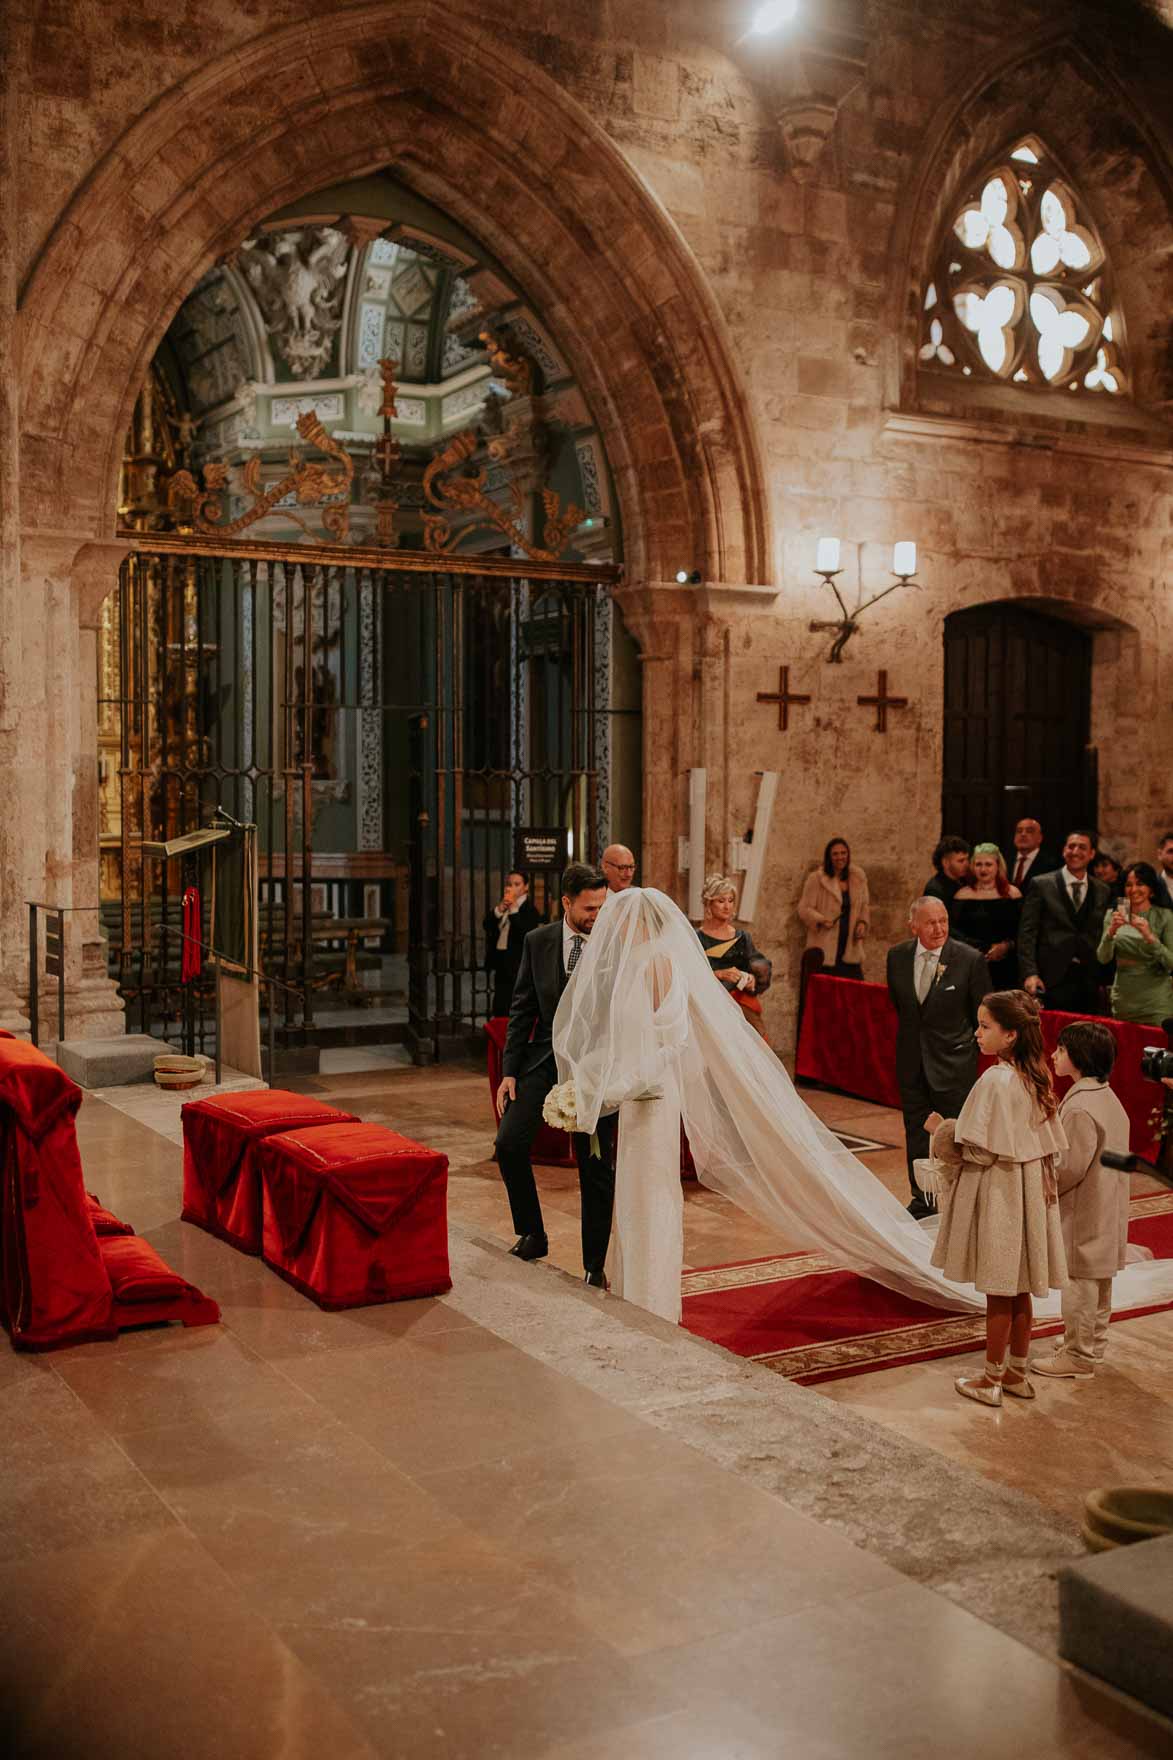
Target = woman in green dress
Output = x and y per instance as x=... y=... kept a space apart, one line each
x=1140 y=935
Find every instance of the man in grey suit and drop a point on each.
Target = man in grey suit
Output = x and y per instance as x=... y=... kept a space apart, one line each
x=1059 y=931
x=548 y=957
x=936 y=985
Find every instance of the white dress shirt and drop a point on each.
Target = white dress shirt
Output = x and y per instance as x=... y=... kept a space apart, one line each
x=1071 y=880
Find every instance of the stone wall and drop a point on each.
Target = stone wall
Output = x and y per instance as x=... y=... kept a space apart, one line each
x=747 y=339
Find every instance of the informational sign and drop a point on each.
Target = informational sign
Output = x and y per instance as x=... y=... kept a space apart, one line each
x=536 y=850
x=53 y=949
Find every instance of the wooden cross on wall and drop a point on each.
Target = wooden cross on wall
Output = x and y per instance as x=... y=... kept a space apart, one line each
x=882 y=702
x=783 y=696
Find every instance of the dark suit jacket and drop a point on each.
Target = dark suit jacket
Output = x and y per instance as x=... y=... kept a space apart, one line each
x=1164 y=892
x=524 y=918
x=1045 y=862
x=537 y=991
x=934 y=1039
x=1050 y=934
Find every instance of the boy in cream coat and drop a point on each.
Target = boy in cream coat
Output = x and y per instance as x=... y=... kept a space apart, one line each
x=1093 y=1199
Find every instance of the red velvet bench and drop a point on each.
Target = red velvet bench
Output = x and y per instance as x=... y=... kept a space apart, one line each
x=221 y=1136
x=355 y=1214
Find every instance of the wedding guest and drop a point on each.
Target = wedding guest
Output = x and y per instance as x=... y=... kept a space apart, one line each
x=936 y=985
x=950 y=870
x=1140 y=935
x=1032 y=857
x=985 y=915
x=1165 y=871
x=506 y=927
x=997 y=1193
x=730 y=951
x=837 y=911
x=1093 y=1199
x=1107 y=869
x=618 y=867
x=1059 y=932
x=548 y=957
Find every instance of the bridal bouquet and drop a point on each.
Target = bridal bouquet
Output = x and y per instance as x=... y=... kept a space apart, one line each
x=560 y=1107
x=560 y=1111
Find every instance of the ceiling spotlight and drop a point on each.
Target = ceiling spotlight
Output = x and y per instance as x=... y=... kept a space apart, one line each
x=772 y=15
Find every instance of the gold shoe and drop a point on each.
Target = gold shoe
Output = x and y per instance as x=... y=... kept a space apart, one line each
x=972 y=1387
x=1021 y=1389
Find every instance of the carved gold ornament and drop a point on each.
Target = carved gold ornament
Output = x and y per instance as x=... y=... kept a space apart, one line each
x=467 y=494
x=201 y=507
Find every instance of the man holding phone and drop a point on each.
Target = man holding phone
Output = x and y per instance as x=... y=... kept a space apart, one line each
x=548 y=958
x=1059 y=932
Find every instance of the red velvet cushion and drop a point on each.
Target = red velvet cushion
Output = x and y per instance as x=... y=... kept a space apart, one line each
x=105 y=1221
x=376 y=1173
x=34 y=1089
x=137 y=1273
x=258 y=1112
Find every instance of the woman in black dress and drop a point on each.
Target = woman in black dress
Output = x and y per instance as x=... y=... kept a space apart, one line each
x=730 y=951
x=985 y=915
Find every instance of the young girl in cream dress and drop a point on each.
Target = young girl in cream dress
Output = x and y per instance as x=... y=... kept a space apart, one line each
x=997 y=1193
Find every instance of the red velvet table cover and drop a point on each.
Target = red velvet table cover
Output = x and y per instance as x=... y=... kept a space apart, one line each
x=552 y=1148
x=221 y=1185
x=848 y=1041
x=355 y=1214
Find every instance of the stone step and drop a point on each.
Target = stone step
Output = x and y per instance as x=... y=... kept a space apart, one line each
x=111 y=1063
x=1116 y=1619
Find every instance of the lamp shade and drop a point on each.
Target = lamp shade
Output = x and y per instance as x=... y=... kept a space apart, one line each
x=904 y=559
x=827 y=556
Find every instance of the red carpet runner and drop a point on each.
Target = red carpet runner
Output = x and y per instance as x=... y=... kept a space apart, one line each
x=803 y=1318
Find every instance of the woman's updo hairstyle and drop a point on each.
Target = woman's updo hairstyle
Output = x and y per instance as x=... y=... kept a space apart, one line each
x=716 y=885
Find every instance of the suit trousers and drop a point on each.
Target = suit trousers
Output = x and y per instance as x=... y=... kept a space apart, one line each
x=596 y=1173
x=917 y=1100
x=1087 y=1310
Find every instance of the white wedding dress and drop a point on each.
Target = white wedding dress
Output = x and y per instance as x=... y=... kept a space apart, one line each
x=643 y=1015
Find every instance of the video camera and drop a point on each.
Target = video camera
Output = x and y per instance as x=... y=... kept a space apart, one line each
x=1156 y=1063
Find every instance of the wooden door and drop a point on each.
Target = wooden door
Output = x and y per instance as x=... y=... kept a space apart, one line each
x=1017 y=712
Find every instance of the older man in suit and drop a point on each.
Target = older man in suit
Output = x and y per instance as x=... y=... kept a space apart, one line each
x=548 y=957
x=935 y=984
x=1059 y=931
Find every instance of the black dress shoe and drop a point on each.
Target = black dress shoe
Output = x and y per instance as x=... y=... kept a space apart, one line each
x=918 y=1210
x=531 y=1246
x=596 y=1280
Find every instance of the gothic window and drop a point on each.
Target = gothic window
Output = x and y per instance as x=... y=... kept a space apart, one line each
x=1021 y=287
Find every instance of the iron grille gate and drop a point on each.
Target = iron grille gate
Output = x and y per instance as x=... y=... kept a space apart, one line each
x=415 y=712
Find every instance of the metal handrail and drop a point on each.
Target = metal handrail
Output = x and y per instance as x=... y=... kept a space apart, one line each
x=317 y=555
x=60 y=911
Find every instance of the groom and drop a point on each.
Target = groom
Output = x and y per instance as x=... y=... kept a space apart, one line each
x=549 y=955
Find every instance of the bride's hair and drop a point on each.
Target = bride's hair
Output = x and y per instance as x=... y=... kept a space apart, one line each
x=1017 y=1012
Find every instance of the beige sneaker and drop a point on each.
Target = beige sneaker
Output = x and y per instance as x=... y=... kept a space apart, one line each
x=1070 y=1368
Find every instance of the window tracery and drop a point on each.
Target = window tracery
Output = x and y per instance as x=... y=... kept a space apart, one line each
x=1021 y=289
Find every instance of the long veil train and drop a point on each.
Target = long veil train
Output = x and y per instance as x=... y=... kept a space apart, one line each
x=643 y=1003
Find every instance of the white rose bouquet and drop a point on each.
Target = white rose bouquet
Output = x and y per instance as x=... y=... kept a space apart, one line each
x=560 y=1111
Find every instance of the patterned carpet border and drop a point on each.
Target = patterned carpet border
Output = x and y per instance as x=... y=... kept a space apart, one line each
x=864 y=1350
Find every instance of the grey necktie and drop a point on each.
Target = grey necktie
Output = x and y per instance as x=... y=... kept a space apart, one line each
x=575 y=953
x=1077 y=894
x=924 y=969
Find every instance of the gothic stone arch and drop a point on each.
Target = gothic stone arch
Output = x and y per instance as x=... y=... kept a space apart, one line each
x=485 y=135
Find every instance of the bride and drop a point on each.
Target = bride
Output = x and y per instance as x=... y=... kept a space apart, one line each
x=644 y=1029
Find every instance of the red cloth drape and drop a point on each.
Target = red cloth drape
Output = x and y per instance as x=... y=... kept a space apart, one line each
x=848 y=1041
x=192 y=958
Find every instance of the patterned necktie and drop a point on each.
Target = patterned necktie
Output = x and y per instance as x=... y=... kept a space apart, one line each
x=575 y=953
x=1077 y=895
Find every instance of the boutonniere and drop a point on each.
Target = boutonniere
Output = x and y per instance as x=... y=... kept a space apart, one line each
x=942 y=968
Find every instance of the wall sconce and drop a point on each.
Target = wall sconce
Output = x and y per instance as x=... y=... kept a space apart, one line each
x=688 y=577
x=827 y=564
